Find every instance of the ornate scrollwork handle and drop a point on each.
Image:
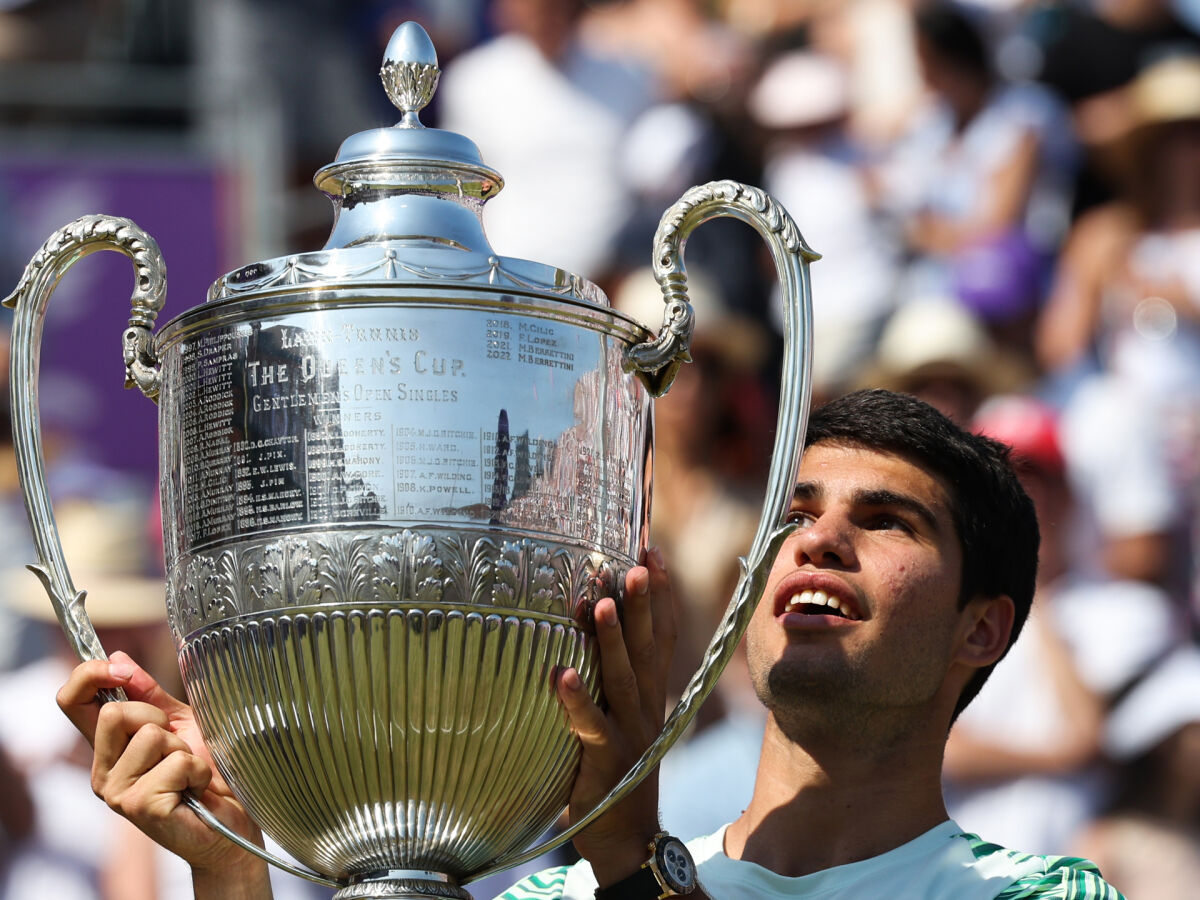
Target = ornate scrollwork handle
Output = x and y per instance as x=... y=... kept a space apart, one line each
x=656 y=362
x=60 y=251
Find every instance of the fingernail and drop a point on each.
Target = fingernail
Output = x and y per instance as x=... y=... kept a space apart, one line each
x=571 y=680
x=608 y=614
x=657 y=556
x=120 y=670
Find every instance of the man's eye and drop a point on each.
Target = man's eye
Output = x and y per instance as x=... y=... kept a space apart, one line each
x=799 y=517
x=889 y=523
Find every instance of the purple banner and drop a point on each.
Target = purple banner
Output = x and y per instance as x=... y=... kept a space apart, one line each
x=85 y=409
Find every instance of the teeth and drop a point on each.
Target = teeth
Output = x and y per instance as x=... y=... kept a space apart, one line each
x=818 y=598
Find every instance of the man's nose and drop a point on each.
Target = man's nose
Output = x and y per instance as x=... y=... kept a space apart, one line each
x=826 y=541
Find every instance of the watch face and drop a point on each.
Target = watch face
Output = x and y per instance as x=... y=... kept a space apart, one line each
x=676 y=866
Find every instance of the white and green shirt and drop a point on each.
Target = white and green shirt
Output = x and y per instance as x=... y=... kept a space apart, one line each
x=944 y=863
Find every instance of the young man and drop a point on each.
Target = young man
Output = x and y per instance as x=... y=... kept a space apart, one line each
x=909 y=574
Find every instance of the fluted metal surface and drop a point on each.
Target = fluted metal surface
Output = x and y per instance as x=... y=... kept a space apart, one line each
x=400 y=738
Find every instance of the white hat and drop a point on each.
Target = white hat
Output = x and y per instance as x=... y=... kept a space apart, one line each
x=106 y=551
x=1165 y=701
x=1167 y=91
x=938 y=337
x=800 y=89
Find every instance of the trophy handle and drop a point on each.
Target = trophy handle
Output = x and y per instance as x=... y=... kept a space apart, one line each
x=60 y=251
x=656 y=362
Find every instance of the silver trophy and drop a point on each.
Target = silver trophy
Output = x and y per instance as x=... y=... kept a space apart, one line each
x=396 y=475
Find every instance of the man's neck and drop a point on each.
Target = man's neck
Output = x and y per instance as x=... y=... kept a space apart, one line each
x=837 y=799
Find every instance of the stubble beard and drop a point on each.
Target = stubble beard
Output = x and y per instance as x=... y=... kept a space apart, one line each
x=800 y=698
x=811 y=697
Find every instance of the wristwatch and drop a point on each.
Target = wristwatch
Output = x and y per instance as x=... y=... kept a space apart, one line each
x=669 y=872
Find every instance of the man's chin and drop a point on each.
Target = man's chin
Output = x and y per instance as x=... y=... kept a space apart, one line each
x=791 y=685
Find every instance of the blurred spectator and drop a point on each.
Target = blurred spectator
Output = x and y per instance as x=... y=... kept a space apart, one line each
x=816 y=170
x=1127 y=300
x=981 y=180
x=548 y=113
x=1021 y=760
x=695 y=131
x=1128 y=286
x=1088 y=53
x=1128 y=509
x=1148 y=841
x=704 y=60
x=938 y=351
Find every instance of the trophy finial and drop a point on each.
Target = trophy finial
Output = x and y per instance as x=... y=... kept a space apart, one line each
x=410 y=72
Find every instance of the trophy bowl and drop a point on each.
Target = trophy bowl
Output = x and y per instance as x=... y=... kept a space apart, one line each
x=396 y=476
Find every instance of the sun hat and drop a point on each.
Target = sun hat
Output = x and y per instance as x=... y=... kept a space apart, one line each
x=1167 y=90
x=1166 y=700
x=800 y=89
x=108 y=558
x=933 y=338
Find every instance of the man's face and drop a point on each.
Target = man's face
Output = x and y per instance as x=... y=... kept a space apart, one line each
x=861 y=607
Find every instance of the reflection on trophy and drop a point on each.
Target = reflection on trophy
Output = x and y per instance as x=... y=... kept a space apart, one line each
x=396 y=476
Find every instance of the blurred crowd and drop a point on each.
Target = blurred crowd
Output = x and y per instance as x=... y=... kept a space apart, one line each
x=1006 y=196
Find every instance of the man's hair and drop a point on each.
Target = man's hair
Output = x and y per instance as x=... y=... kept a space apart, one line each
x=993 y=516
x=954 y=37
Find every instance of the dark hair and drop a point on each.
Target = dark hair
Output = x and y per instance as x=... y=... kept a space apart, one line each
x=993 y=516
x=953 y=36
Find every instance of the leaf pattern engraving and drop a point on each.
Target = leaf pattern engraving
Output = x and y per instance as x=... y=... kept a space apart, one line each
x=391 y=568
x=506 y=590
x=208 y=591
x=264 y=576
x=388 y=568
x=471 y=568
x=428 y=571
x=303 y=573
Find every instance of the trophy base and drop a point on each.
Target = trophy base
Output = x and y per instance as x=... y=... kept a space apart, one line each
x=403 y=884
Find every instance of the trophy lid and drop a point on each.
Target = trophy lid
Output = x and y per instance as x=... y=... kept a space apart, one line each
x=408 y=154
x=408 y=203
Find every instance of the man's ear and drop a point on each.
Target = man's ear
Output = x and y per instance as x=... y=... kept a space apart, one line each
x=987 y=625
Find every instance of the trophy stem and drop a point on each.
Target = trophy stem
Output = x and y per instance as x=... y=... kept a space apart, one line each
x=403 y=884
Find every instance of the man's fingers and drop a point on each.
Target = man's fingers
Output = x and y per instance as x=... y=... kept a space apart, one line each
x=616 y=672
x=77 y=698
x=639 y=624
x=638 y=627
x=587 y=719
x=140 y=685
x=156 y=792
x=116 y=726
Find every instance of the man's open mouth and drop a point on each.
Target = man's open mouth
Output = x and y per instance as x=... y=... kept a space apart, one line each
x=819 y=603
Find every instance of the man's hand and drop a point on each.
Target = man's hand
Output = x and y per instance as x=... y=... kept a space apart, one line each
x=148 y=751
x=633 y=665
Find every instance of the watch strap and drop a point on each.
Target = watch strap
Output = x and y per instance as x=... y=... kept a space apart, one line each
x=641 y=885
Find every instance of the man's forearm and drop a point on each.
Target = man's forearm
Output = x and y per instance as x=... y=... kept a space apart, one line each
x=249 y=882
